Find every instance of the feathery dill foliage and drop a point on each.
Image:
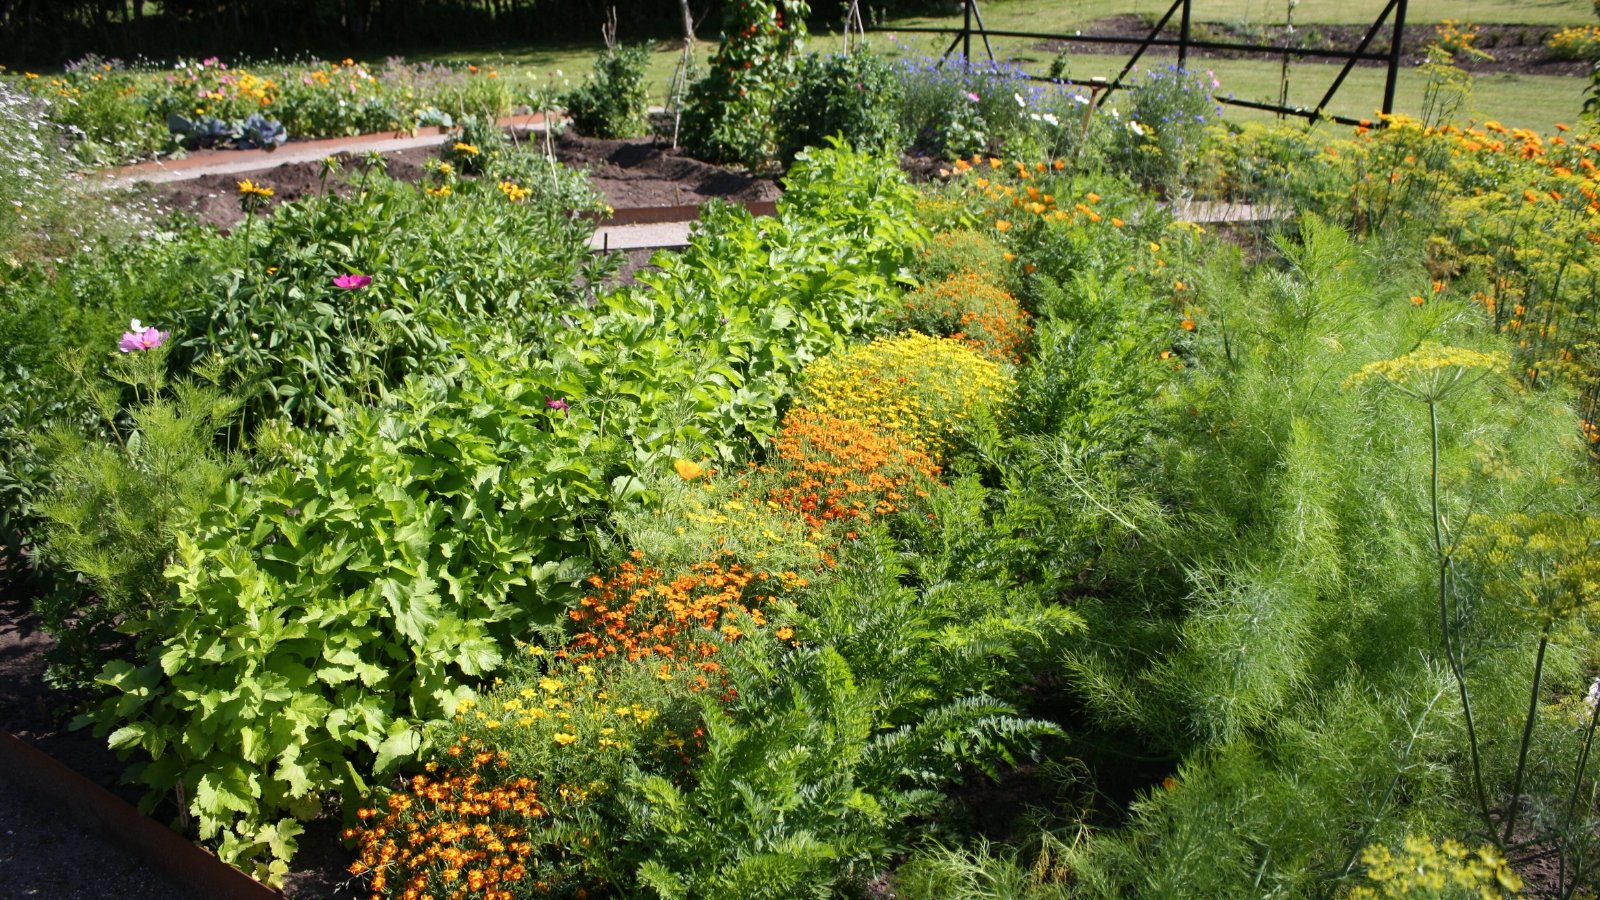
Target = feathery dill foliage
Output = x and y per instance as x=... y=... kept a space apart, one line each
x=1267 y=609
x=1263 y=596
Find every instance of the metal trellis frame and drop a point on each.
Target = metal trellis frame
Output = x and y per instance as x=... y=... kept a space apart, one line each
x=972 y=24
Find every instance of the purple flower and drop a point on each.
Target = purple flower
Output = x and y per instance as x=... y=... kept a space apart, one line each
x=352 y=282
x=557 y=404
x=138 y=337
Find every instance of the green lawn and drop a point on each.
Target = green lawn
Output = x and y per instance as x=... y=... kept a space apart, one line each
x=1066 y=15
x=1532 y=101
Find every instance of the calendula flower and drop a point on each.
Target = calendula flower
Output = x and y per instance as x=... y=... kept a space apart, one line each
x=248 y=188
x=352 y=282
x=1002 y=225
x=138 y=338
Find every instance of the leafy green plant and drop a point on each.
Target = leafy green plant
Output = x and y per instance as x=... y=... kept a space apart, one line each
x=1165 y=120
x=613 y=101
x=851 y=95
x=114 y=509
x=326 y=609
x=728 y=114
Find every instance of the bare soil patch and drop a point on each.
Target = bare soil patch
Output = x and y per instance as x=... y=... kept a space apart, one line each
x=626 y=173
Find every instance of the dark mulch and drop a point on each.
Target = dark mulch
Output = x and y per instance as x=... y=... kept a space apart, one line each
x=626 y=173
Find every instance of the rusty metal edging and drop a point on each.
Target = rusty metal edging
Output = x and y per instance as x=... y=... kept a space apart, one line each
x=98 y=810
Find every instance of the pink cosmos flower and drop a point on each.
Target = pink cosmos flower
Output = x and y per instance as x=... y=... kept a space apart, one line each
x=138 y=337
x=973 y=97
x=352 y=282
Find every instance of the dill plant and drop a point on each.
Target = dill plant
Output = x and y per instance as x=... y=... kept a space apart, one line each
x=1268 y=602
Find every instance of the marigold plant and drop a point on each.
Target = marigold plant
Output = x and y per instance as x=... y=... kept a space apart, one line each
x=833 y=470
x=680 y=623
x=926 y=390
x=962 y=250
x=458 y=831
x=968 y=307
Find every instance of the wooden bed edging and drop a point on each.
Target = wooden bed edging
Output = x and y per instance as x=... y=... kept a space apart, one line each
x=98 y=810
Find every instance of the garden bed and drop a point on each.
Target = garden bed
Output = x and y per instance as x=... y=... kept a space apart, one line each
x=628 y=174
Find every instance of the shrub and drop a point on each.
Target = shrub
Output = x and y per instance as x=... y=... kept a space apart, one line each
x=969 y=308
x=852 y=95
x=613 y=102
x=954 y=108
x=935 y=394
x=113 y=509
x=1166 y=120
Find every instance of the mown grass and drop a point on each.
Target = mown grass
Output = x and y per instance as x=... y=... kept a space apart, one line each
x=1533 y=101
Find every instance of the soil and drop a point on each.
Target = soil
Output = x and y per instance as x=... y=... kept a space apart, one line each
x=626 y=173
x=1517 y=49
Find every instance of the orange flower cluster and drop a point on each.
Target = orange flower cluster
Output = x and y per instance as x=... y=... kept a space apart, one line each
x=835 y=470
x=969 y=308
x=461 y=834
x=638 y=614
x=1030 y=199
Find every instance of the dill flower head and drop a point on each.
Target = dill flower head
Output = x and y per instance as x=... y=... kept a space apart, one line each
x=1432 y=371
x=1424 y=868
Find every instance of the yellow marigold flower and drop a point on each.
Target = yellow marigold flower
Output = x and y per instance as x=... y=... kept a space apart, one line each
x=563 y=738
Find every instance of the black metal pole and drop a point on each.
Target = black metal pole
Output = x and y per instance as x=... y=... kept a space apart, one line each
x=1143 y=46
x=1362 y=48
x=1394 y=58
x=966 y=35
x=1183 y=35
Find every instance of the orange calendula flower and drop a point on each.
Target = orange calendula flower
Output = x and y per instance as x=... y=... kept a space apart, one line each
x=1530 y=196
x=1116 y=222
x=688 y=470
x=1002 y=225
x=1092 y=197
x=1059 y=164
x=1187 y=324
x=1416 y=300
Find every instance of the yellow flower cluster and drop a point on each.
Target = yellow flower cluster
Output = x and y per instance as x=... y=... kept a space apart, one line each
x=1431 y=371
x=1426 y=869
x=924 y=389
x=1543 y=562
x=514 y=192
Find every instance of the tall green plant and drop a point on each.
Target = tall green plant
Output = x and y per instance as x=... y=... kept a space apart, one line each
x=728 y=115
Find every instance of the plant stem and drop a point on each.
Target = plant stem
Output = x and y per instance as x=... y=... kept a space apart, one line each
x=1456 y=668
x=1527 y=732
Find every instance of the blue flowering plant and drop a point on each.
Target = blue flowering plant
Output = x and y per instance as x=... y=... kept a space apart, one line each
x=1163 y=121
x=955 y=107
